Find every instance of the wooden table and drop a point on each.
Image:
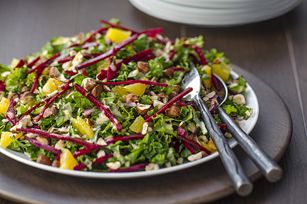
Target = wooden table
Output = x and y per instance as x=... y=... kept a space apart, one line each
x=275 y=51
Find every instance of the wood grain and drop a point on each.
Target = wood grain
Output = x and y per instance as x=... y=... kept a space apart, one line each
x=261 y=48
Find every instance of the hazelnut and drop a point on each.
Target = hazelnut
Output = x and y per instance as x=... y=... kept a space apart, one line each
x=173 y=111
x=142 y=109
x=54 y=72
x=88 y=84
x=42 y=159
x=56 y=163
x=142 y=66
x=131 y=98
x=96 y=91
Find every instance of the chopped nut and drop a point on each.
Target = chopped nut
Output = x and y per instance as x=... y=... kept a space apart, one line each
x=59 y=145
x=180 y=160
x=88 y=84
x=23 y=123
x=151 y=167
x=56 y=163
x=142 y=108
x=133 y=74
x=101 y=119
x=157 y=103
x=195 y=157
x=42 y=159
x=50 y=111
x=101 y=153
x=42 y=140
x=26 y=97
x=131 y=98
x=239 y=99
x=24 y=89
x=101 y=142
x=54 y=72
x=96 y=91
x=142 y=66
x=173 y=111
x=113 y=165
x=145 y=128
x=211 y=94
x=12 y=95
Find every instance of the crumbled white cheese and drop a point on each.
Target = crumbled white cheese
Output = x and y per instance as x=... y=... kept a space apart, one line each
x=239 y=99
x=101 y=153
x=195 y=157
x=101 y=142
x=113 y=165
x=102 y=119
x=151 y=167
x=145 y=128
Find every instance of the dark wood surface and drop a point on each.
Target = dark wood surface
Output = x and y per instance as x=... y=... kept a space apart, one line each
x=275 y=51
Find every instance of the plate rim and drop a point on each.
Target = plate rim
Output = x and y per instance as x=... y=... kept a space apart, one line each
x=20 y=157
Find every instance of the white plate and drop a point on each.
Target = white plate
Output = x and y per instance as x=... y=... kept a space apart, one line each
x=211 y=16
x=247 y=126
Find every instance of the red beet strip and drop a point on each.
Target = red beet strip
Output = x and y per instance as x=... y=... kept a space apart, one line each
x=44 y=63
x=152 y=32
x=117 y=26
x=56 y=136
x=80 y=166
x=102 y=159
x=136 y=167
x=200 y=54
x=32 y=109
x=188 y=146
x=33 y=62
x=85 y=151
x=183 y=136
x=100 y=106
x=137 y=57
x=20 y=63
x=10 y=114
x=170 y=103
x=91 y=37
x=65 y=88
x=89 y=44
x=2 y=85
x=40 y=68
x=127 y=82
x=110 y=73
x=65 y=59
x=125 y=138
x=43 y=146
x=109 y=53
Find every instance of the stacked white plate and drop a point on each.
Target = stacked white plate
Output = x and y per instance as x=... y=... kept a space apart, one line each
x=215 y=12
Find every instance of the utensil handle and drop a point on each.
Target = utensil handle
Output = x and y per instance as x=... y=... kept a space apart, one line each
x=269 y=168
x=240 y=181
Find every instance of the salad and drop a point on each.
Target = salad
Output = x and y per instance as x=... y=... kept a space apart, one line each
x=111 y=100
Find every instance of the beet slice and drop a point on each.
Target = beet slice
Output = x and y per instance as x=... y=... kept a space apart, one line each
x=170 y=103
x=100 y=106
x=109 y=53
x=58 y=137
x=125 y=138
x=136 y=167
x=33 y=62
x=127 y=82
x=48 y=148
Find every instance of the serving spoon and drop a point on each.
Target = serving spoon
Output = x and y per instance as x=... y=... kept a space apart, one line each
x=268 y=167
x=240 y=181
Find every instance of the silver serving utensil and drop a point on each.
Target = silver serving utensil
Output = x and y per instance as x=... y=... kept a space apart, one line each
x=240 y=181
x=269 y=168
